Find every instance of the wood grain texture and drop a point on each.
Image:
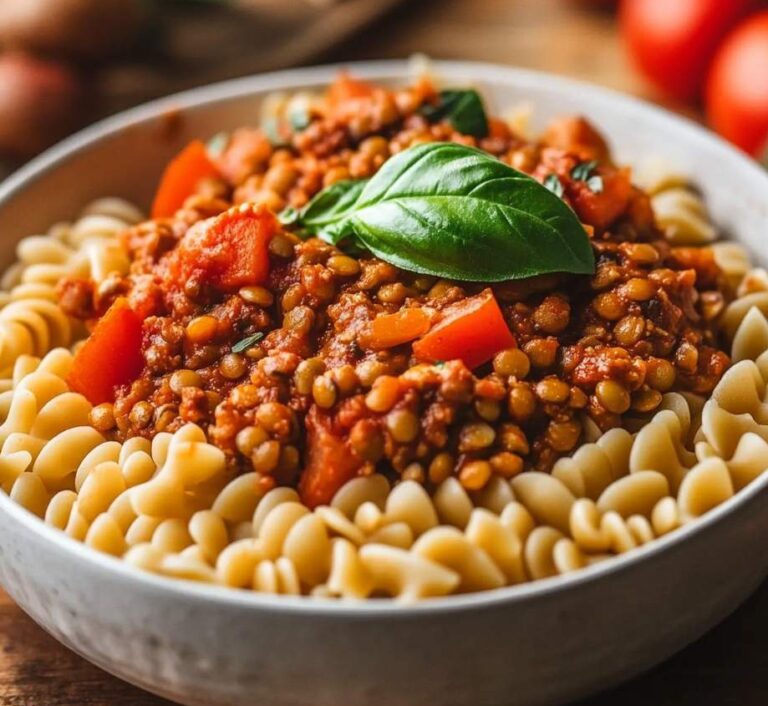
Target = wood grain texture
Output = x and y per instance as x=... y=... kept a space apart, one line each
x=727 y=667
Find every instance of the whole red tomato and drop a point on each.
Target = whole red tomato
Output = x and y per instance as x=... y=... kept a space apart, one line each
x=737 y=87
x=673 y=41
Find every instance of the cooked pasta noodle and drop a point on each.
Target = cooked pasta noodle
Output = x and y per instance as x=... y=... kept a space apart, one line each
x=679 y=209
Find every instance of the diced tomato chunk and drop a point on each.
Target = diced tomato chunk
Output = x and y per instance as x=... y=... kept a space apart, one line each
x=111 y=356
x=228 y=252
x=390 y=330
x=246 y=153
x=181 y=177
x=331 y=462
x=472 y=330
x=346 y=88
x=578 y=136
x=603 y=207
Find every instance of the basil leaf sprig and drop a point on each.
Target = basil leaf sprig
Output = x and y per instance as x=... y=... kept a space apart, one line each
x=452 y=211
x=324 y=215
x=463 y=109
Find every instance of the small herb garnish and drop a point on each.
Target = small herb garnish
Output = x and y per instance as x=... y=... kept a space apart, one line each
x=217 y=144
x=463 y=109
x=595 y=184
x=299 y=118
x=271 y=129
x=247 y=342
x=553 y=183
x=324 y=215
x=452 y=211
x=584 y=171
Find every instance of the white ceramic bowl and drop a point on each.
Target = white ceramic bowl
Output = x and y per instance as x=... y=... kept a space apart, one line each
x=539 y=643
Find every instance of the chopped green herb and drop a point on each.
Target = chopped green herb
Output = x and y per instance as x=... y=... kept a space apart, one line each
x=463 y=109
x=299 y=119
x=247 y=342
x=271 y=128
x=217 y=144
x=553 y=183
x=595 y=184
x=583 y=170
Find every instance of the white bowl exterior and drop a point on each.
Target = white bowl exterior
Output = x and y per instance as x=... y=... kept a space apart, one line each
x=540 y=643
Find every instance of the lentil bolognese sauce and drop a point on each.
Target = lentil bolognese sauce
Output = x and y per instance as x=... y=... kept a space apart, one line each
x=312 y=363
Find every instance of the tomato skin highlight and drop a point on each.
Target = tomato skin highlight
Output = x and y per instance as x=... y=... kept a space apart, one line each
x=330 y=461
x=600 y=209
x=473 y=331
x=229 y=252
x=110 y=357
x=181 y=177
x=389 y=330
x=737 y=87
x=673 y=41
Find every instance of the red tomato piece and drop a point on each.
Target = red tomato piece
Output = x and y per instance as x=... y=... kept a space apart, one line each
x=111 y=356
x=576 y=135
x=346 y=88
x=472 y=330
x=600 y=208
x=737 y=87
x=181 y=177
x=330 y=461
x=673 y=41
x=229 y=252
x=389 y=330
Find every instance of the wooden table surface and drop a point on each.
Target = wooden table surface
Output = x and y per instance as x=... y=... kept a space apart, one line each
x=727 y=667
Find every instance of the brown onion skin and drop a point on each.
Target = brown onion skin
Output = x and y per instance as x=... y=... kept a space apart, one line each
x=77 y=29
x=41 y=101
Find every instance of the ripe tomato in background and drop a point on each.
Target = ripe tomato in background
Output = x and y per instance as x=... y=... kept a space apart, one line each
x=737 y=87
x=673 y=41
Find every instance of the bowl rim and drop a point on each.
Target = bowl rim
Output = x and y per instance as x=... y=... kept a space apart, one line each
x=320 y=607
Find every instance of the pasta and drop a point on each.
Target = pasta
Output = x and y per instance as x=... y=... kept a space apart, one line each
x=679 y=210
x=136 y=500
x=267 y=436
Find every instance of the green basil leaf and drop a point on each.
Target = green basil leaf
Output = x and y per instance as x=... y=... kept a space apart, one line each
x=553 y=183
x=247 y=342
x=463 y=109
x=325 y=215
x=453 y=211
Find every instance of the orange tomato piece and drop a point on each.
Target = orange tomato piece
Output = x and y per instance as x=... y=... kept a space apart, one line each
x=181 y=177
x=390 y=330
x=228 y=253
x=331 y=462
x=600 y=209
x=472 y=330
x=111 y=356
x=346 y=88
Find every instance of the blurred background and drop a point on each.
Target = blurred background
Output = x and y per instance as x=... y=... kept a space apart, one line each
x=66 y=63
